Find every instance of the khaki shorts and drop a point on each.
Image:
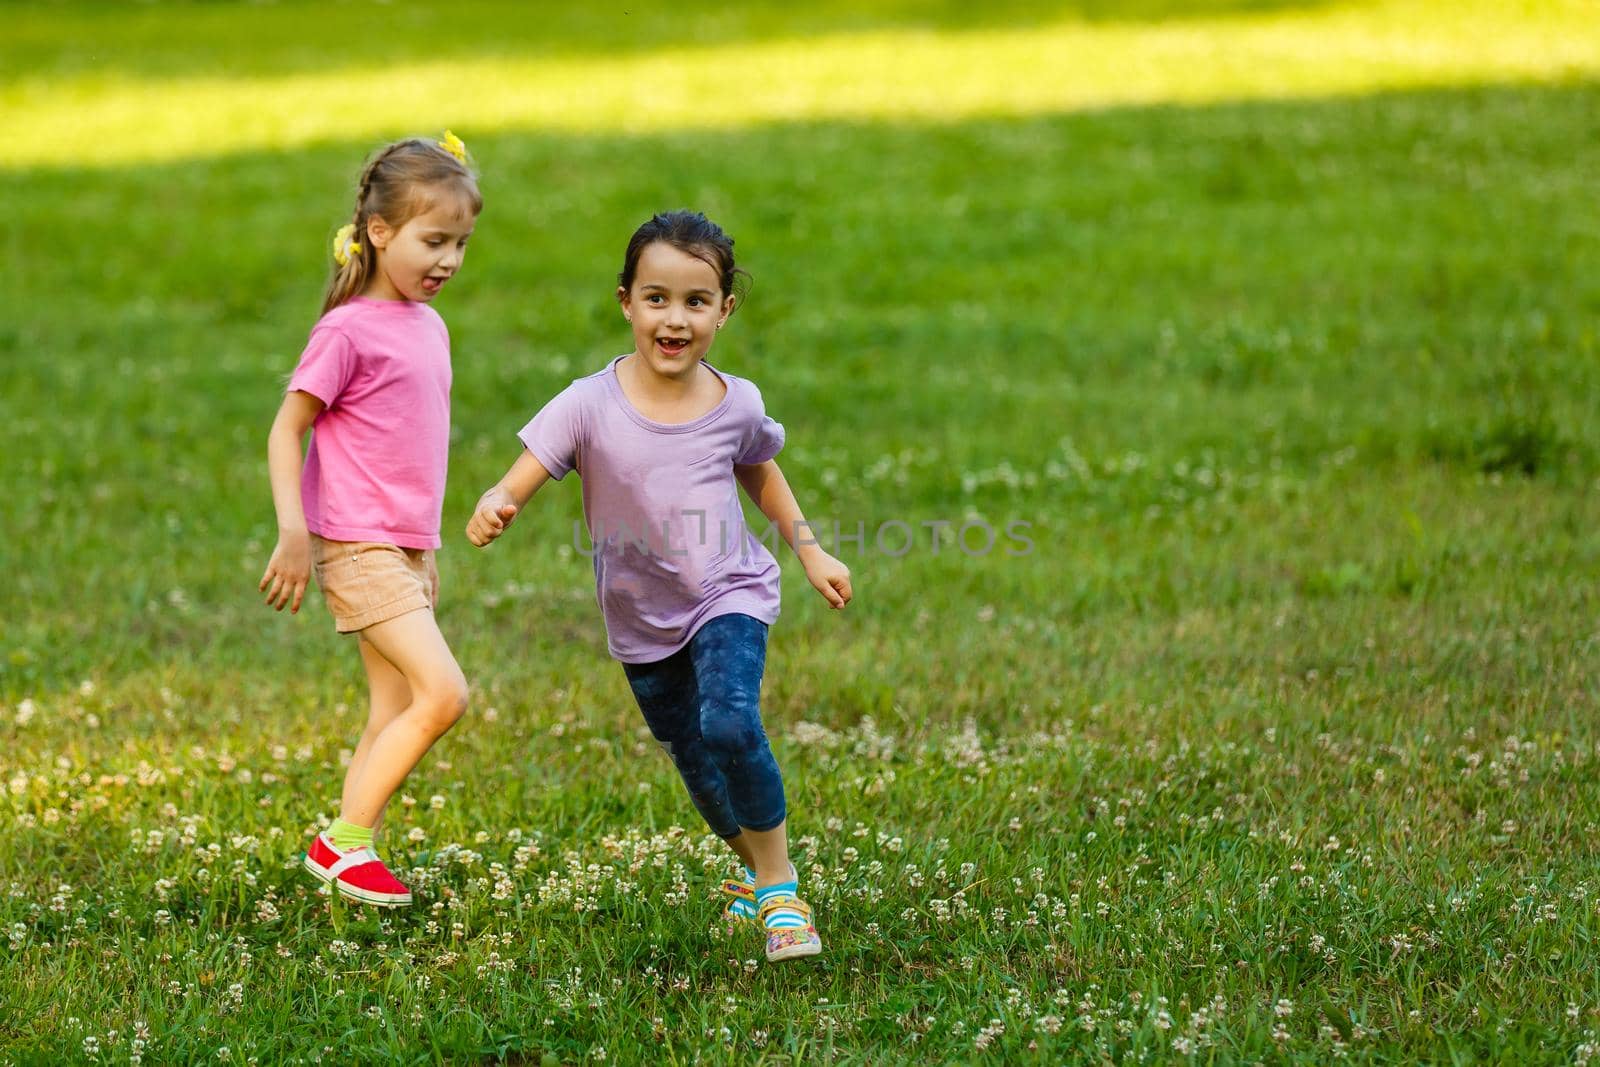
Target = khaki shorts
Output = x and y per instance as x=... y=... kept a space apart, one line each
x=368 y=582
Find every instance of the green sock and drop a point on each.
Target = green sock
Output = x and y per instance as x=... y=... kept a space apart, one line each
x=347 y=835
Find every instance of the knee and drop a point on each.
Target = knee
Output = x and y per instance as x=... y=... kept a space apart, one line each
x=442 y=706
x=694 y=763
x=732 y=731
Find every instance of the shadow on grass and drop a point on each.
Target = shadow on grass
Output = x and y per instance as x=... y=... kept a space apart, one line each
x=249 y=38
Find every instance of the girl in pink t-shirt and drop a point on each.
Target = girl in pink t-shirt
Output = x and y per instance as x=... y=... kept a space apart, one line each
x=663 y=442
x=373 y=386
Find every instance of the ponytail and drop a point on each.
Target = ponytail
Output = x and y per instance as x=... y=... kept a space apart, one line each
x=354 y=262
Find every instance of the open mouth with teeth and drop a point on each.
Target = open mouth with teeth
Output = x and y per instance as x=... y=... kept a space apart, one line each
x=672 y=346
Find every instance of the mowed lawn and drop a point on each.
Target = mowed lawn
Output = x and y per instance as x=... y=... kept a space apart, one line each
x=1271 y=738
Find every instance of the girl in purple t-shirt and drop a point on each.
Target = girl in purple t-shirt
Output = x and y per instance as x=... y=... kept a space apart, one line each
x=662 y=443
x=373 y=386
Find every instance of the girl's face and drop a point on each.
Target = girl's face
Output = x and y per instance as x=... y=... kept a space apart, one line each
x=676 y=306
x=416 y=260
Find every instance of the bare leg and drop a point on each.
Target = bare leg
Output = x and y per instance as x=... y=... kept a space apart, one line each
x=770 y=850
x=413 y=645
x=390 y=695
x=740 y=845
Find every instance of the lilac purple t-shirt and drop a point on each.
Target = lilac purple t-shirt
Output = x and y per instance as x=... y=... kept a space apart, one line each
x=671 y=548
x=379 y=451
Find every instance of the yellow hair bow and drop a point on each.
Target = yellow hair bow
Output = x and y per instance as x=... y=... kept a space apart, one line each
x=345 y=248
x=454 y=145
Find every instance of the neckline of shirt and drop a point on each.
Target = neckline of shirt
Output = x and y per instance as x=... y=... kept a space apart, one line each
x=614 y=387
x=386 y=305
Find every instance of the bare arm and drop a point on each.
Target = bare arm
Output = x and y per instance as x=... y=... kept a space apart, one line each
x=769 y=490
x=505 y=499
x=289 y=569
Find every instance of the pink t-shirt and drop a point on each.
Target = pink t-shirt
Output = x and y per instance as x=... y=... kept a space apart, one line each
x=379 y=451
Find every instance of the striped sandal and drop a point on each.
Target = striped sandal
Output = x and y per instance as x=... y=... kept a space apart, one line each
x=792 y=942
x=741 y=905
x=741 y=893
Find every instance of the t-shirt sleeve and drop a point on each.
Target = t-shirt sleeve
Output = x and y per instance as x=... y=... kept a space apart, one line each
x=763 y=438
x=326 y=366
x=554 y=434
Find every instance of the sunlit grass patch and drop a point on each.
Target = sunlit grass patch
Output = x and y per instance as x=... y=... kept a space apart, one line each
x=880 y=74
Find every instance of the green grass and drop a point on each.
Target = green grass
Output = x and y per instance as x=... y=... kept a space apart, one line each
x=167 y=89
x=1293 y=700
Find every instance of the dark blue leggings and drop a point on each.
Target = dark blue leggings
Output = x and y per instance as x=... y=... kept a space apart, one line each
x=703 y=704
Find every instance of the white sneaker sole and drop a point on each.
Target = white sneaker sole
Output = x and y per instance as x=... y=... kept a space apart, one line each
x=365 y=896
x=794 y=952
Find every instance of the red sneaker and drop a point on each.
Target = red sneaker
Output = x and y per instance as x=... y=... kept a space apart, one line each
x=359 y=874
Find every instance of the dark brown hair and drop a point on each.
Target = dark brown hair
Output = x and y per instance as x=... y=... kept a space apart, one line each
x=692 y=233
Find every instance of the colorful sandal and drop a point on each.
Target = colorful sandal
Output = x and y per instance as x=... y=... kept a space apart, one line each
x=741 y=894
x=790 y=942
x=741 y=906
